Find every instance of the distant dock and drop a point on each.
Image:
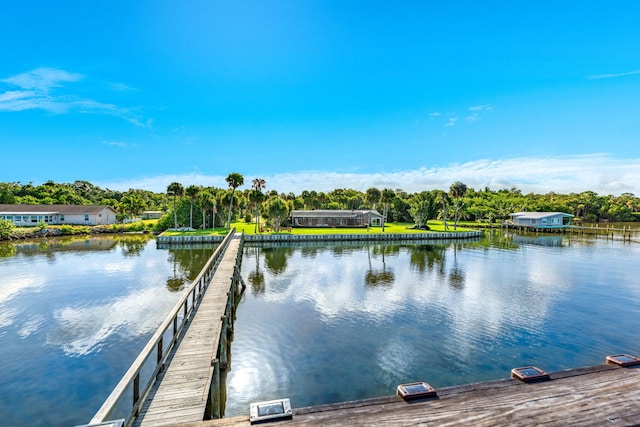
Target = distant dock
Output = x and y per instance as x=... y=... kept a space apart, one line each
x=362 y=237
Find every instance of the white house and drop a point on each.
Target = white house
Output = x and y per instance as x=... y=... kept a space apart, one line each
x=28 y=215
x=541 y=219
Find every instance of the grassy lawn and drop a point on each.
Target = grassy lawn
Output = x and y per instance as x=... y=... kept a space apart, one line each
x=389 y=228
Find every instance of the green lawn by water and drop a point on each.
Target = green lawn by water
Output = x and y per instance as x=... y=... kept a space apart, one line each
x=389 y=228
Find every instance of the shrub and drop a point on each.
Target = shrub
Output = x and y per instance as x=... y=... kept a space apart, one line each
x=67 y=229
x=6 y=228
x=136 y=226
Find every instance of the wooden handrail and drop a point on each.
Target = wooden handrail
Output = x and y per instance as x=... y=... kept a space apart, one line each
x=132 y=376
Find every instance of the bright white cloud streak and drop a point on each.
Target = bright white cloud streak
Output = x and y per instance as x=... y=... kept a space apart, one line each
x=39 y=90
x=597 y=172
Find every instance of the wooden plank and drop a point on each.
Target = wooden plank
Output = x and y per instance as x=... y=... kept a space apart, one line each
x=180 y=394
x=594 y=396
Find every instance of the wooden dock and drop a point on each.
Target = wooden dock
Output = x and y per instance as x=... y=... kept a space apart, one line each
x=190 y=380
x=182 y=390
x=594 y=396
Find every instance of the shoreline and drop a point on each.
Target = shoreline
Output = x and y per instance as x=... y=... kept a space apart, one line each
x=377 y=237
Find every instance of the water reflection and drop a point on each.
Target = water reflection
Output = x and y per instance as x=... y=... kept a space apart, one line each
x=456 y=275
x=450 y=312
x=379 y=276
x=74 y=313
x=256 y=277
x=7 y=250
x=276 y=258
x=83 y=330
x=94 y=297
x=425 y=257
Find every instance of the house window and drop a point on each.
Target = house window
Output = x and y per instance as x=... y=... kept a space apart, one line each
x=34 y=218
x=86 y=217
x=61 y=217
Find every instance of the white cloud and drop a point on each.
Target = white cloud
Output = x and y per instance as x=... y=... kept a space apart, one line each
x=115 y=143
x=485 y=107
x=453 y=118
x=472 y=118
x=597 y=172
x=452 y=121
x=612 y=75
x=42 y=79
x=121 y=87
x=37 y=93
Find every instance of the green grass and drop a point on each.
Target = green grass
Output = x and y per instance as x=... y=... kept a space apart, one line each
x=389 y=228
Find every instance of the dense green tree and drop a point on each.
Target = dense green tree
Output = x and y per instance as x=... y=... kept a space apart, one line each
x=131 y=204
x=277 y=211
x=423 y=207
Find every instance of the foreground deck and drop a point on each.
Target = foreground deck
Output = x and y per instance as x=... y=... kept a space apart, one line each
x=595 y=396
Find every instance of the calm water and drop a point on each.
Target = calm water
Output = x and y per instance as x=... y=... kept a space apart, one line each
x=74 y=313
x=318 y=324
x=335 y=323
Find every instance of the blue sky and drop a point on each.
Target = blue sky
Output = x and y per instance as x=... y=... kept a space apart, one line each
x=541 y=95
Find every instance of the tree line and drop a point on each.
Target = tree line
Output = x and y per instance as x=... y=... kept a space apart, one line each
x=205 y=207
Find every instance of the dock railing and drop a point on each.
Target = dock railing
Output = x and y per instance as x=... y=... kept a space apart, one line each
x=177 y=320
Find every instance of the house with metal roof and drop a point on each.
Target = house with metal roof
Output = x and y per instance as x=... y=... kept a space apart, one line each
x=336 y=218
x=541 y=220
x=31 y=215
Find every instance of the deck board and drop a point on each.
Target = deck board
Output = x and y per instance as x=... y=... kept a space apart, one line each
x=593 y=396
x=180 y=394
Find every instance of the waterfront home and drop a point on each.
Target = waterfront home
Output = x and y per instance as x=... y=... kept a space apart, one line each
x=336 y=218
x=541 y=219
x=151 y=214
x=30 y=215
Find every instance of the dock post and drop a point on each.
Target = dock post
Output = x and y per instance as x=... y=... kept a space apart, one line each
x=214 y=391
x=223 y=343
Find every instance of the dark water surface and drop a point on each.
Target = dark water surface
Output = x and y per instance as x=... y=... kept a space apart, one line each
x=74 y=314
x=333 y=323
x=317 y=324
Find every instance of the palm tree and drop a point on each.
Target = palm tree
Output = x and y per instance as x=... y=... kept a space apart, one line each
x=258 y=184
x=204 y=199
x=177 y=190
x=373 y=197
x=386 y=197
x=443 y=198
x=235 y=180
x=192 y=192
x=457 y=191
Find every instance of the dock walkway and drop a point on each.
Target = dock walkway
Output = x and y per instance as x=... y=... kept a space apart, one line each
x=594 y=396
x=181 y=392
